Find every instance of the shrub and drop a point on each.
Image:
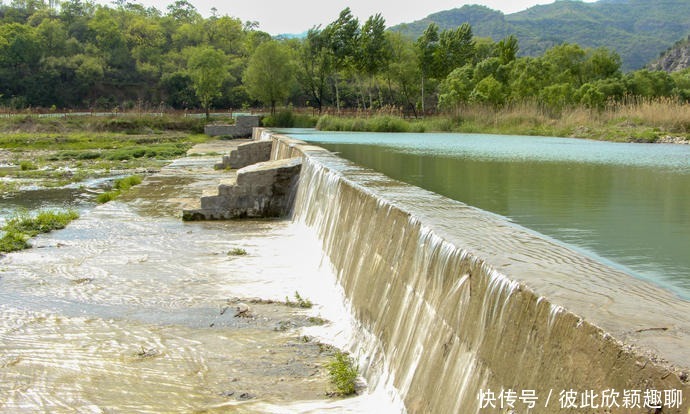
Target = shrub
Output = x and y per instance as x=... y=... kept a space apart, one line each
x=288 y=119
x=343 y=373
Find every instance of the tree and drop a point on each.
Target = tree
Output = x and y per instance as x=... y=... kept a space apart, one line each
x=207 y=68
x=427 y=44
x=373 y=51
x=342 y=36
x=315 y=65
x=488 y=91
x=270 y=73
x=456 y=88
x=401 y=72
x=455 y=49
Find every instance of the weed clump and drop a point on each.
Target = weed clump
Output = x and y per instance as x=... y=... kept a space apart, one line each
x=343 y=373
x=237 y=251
x=12 y=242
x=299 y=302
x=20 y=228
x=120 y=185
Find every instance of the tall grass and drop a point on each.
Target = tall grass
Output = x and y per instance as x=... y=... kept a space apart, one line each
x=634 y=119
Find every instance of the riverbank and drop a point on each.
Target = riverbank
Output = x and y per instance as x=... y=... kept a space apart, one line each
x=50 y=152
x=647 y=121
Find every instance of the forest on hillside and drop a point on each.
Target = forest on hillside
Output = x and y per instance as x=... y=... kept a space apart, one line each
x=77 y=54
x=638 y=30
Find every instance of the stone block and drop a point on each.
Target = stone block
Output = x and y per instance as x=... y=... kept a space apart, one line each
x=262 y=190
x=247 y=154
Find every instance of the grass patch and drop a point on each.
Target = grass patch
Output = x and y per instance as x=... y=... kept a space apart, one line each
x=315 y=320
x=124 y=184
x=373 y=124
x=27 y=165
x=343 y=373
x=23 y=226
x=103 y=198
x=12 y=242
x=71 y=149
x=43 y=222
x=299 y=302
x=119 y=186
x=237 y=251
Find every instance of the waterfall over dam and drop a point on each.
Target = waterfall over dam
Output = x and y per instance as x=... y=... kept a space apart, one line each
x=474 y=314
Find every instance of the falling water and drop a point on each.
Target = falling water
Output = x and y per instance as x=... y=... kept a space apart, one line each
x=455 y=297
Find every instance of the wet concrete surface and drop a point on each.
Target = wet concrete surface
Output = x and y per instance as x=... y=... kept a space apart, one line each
x=131 y=309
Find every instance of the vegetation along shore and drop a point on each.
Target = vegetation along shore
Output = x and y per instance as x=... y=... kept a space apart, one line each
x=126 y=57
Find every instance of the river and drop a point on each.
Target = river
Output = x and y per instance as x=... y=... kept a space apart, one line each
x=627 y=205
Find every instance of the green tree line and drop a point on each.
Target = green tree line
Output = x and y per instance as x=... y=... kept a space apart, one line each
x=76 y=54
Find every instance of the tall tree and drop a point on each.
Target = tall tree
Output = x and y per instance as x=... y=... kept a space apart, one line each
x=270 y=74
x=401 y=72
x=374 y=50
x=207 y=68
x=315 y=64
x=426 y=46
x=455 y=49
x=342 y=35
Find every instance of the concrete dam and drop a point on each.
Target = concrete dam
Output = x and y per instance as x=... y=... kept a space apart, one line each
x=469 y=313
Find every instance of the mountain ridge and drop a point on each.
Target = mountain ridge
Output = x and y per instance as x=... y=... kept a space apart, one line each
x=638 y=30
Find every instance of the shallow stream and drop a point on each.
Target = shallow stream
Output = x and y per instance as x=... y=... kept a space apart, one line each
x=130 y=309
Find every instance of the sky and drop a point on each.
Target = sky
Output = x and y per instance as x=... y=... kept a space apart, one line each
x=297 y=16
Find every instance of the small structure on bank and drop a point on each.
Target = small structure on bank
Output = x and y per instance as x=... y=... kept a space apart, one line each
x=244 y=124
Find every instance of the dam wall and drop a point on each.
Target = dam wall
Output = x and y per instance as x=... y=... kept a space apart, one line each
x=473 y=314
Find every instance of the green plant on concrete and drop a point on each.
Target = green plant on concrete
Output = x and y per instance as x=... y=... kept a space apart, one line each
x=44 y=222
x=23 y=226
x=299 y=302
x=11 y=242
x=343 y=373
x=119 y=186
x=124 y=184
x=237 y=251
x=103 y=198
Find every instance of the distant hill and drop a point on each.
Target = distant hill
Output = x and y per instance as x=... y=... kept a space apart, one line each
x=638 y=30
x=674 y=59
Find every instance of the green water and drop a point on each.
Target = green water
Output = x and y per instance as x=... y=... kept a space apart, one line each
x=625 y=204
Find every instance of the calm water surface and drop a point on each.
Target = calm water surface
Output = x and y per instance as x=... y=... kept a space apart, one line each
x=626 y=204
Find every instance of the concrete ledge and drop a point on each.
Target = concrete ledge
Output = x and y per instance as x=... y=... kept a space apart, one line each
x=461 y=300
x=264 y=189
x=246 y=154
